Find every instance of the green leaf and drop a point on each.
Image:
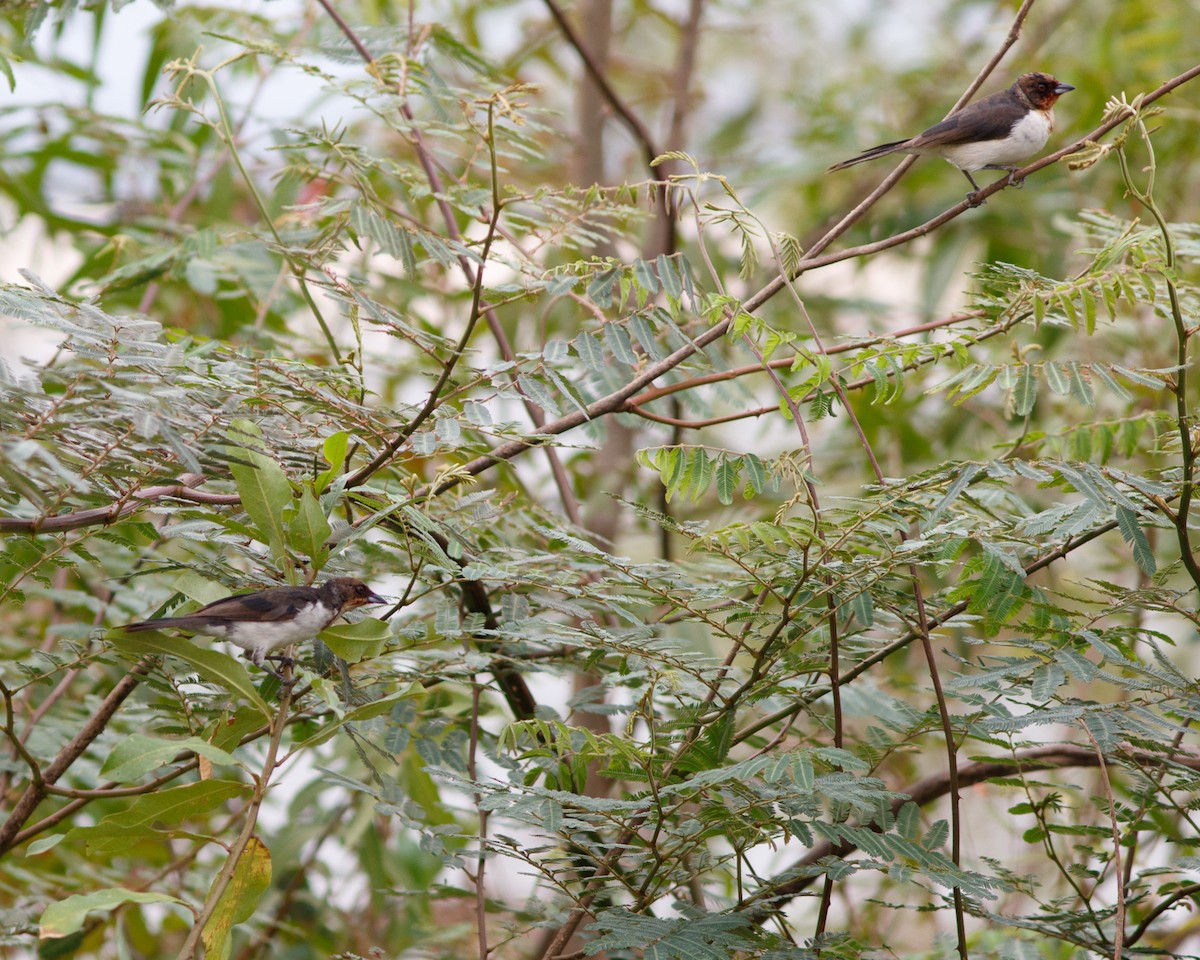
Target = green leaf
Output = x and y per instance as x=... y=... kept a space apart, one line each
x=711 y=748
x=861 y=607
x=697 y=472
x=45 y=843
x=728 y=469
x=590 y=351
x=1056 y=378
x=669 y=277
x=251 y=879
x=1045 y=681
x=67 y=916
x=1133 y=534
x=1089 y=310
x=213 y=665
x=998 y=593
x=176 y=803
x=368 y=711
x=756 y=475
x=138 y=754
x=1024 y=394
x=936 y=837
x=1081 y=387
x=266 y=494
x=966 y=474
x=334 y=449
x=619 y=344
x=1102 y=374
x=1141 y=378
x=669 y=463
x=353 y=642
x=109 y=840
x=981 y=377
x=537 y=391
x=1068 y=307
x=704 y=937
x=643 y=272
x=644 y=332
x=600 y=289
x=7 y=70
x=309 y=530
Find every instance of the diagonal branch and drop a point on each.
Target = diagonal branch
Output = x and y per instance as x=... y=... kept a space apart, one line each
x=643 y=136
x=937 y=785
x=615 y=401
x=844 y=224
x=36 y=792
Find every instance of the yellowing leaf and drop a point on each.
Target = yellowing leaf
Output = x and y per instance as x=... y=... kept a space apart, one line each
x=251 y=879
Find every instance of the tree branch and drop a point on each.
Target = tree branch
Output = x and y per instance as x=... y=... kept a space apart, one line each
x=35 y=793
x=935 y=786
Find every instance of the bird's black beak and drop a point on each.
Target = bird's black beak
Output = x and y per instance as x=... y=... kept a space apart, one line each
x=1063 y=88
x=375 y=598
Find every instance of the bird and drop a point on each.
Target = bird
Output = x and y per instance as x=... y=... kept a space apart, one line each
x=266 y=620
x=990 y=134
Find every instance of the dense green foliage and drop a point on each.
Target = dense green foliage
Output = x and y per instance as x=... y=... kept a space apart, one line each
x=745 y=604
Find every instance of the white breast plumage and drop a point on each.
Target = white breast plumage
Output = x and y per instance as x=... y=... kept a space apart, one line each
x=264 y=636
x=1027 y=137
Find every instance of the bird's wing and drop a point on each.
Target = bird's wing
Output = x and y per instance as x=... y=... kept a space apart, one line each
x=991 y=118
x=274 y=603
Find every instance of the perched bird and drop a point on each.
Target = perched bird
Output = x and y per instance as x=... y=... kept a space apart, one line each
x=269 y=619
x=989 y=134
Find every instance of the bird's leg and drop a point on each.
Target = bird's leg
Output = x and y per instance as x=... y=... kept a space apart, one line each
x=973 y=198
x=283 y=678
x=1011 y=180
x=258 y=658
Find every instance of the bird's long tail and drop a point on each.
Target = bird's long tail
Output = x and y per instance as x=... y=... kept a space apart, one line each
x=882 y=150
x=164 y=624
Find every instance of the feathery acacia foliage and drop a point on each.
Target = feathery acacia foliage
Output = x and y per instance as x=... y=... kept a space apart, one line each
x=720 y=629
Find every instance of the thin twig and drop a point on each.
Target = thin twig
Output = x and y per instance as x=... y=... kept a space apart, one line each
x=936 y=786
x=1014 y=33
x=781 y=363
x=643 y=136
x=614 y=401
x=1119 y=919
x=35 y=793
x=425 y=158
x=191 y=944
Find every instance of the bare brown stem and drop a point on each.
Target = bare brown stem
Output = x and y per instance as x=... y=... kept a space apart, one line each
x=35 y=793
x=937 y=785
x=191 y=944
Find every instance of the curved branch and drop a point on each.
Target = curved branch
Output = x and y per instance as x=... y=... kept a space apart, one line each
x=191 y=945
x=102 y=516
x=615 y=402
x=931 y=623
x=36 y=792
x=811 y=261
x=935 y=786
